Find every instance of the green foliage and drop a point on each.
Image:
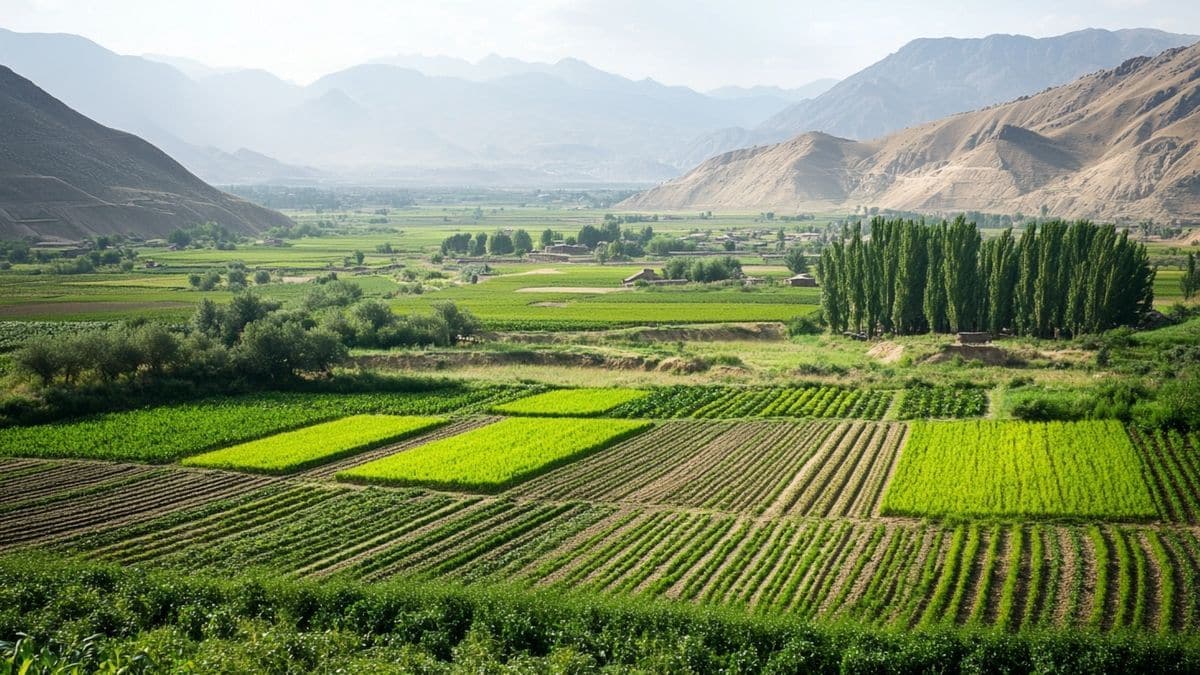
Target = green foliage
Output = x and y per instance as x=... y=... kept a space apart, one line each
x=496 y=456
x=570 y=402
x=1058 y=278
x=924 y=401
x=244 y=623
x=703 y=270
x=315 y=445
x=1019 y=469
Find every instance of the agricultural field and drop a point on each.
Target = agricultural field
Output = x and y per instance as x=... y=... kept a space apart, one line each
x=167 y=433
x=1020 y=469
x=924 y=402
x=611 y=463
x=732 y=402
x=315 y=445
x=569 y=402
x=495 y=456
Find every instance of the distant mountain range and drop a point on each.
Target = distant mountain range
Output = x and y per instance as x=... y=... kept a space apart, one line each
x=388 y=121
x=438 y=120
x=930 y=78
x=64 y=176
x=1114 y=145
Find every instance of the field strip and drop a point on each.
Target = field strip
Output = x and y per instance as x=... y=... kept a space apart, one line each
x=445 y=431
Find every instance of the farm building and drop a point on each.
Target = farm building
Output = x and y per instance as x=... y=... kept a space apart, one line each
x=646 y=274
x=803 y=281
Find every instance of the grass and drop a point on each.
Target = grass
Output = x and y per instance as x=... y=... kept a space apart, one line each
x=318 y=444
x=496 y=456
x=570 y=402
x=1019 y=469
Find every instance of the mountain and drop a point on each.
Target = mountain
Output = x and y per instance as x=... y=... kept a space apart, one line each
x=152 y=99
x=792 y=95
x=63 y=175
x=1114 y=145
x=508 y=120
x=928 y=79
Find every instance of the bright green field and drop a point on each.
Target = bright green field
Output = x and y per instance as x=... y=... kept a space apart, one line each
x=318 y=444
x=570 y=402
x=1019 y=469
x=169 y=432
x=496 y=456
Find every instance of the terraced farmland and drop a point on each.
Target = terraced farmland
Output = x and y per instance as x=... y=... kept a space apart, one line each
x=807 y=468
x=742 y=402
x=899 y=574
x=773 y=516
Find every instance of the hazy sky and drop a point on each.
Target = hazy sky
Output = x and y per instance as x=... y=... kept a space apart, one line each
x=699 y=43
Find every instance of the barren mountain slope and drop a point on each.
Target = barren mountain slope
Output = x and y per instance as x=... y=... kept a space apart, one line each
x=63 y=175
x=1115 y=144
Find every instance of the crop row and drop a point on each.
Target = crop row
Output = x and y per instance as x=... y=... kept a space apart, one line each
x=926 y=402
x=1019 y=469
x=891 y=574
x=765 y=467
x=1172 y=462
x=117 y=503
x=570 y=402
x=719 y=402
x=165 y=433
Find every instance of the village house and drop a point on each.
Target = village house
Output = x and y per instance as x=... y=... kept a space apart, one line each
x=802 y=281
x=646 y=274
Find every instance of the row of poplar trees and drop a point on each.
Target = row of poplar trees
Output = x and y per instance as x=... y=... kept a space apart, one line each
x=1054 y=278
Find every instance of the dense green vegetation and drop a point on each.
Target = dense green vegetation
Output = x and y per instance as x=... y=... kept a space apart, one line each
x=570 y=402
x=167 y=621
x=318 y=444
x=725 y=402
x=497 y=455
x=1018 y=469
x=923 y=402
x=1057 y=277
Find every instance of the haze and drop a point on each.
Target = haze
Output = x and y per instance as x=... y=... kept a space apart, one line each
x=701 y=45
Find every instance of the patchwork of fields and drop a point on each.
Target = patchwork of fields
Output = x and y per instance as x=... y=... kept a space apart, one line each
x=751 y=498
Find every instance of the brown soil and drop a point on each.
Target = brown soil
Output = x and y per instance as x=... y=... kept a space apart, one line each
x=442 y=360
x=726 y=332
x=886 y=352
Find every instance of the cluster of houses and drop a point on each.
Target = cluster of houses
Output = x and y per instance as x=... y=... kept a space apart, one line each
x=649 y=276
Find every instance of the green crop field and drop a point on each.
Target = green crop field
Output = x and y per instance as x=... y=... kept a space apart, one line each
x=731 y=402
x=318 y=444
x=570 y=402
x=1019 y=469
x=495 y=456
x=166 y=433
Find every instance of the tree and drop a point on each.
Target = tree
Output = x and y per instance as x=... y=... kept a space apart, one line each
x=39 y=358
x=479 y=245
x=547 y=238
x=589 y=236
x=795 y=261
x=522 y=242
x=359 y=256
x=262 y=277
x=500 y=243
x=179 y=238
x=1189 y=283
x=461 y=322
